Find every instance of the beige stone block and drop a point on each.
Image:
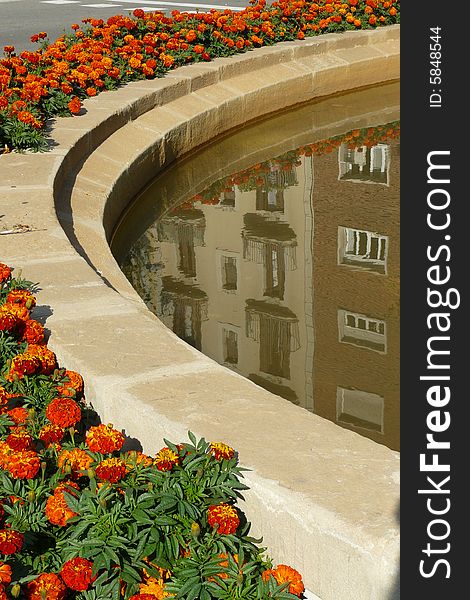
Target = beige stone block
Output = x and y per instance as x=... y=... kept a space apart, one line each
x=139 y=97
x=99 y=120
x=203 y=119
x=161 y=119
x=23 y=250
x=138 y=174
x=118 y=346
x=164 y=89
x=34 y=232
x=23 y=206
x=358 y=54
x=28 y=170
x=389 y=47
x=124 y=145
x=272 y=89
x=101 y=170
x=63 y=141
x=172 y=126
x=252 y=60
x=200 y=75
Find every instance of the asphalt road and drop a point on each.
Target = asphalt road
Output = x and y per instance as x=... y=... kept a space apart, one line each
x=20 y=19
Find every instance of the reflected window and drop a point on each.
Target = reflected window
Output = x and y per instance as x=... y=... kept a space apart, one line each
x=230 y=346
x=275 y=271
x=364 y=164
x=361 y=248
x=227 y=270
x=360 y=409
x=187 y=306
x=272 y=200
x=361 y=330
x=228 y=198
x=276 y=328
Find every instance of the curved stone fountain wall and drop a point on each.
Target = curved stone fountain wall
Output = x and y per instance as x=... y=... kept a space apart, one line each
x=325 y=499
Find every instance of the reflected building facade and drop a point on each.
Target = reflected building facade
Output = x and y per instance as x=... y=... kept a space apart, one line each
x=356 y=269
x=291 y=280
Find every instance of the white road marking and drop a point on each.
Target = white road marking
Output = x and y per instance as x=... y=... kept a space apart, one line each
x=101 y=5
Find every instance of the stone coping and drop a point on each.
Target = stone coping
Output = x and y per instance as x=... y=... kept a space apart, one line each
x=325 y=499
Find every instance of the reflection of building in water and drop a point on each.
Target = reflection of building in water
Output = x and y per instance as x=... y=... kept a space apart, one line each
x=364 y=164
x=243 y=254
x=185 y=228
x=355 y=273
x=276 y=328
x=183 y=308
x=144 y=268
x=272 y=244
x=245 y=277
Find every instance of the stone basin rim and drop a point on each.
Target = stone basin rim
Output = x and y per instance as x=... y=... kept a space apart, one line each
x=297 y=525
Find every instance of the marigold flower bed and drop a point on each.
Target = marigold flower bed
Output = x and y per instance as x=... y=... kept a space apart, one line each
x=82 y=518
x=98 y=56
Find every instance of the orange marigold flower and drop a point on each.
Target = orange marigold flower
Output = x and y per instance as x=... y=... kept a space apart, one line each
x=223 y=517
x=5 y=272
x=63 y=412
x=134 y=62
x=154 y=588
x=19 y=310
x=22 y=297
x=5 y=452
x=51 y=434
x=33 y=332
x=73 y=386
x=75 y=105
x=21 y=365
x=18 y=415
x=104 y=439
x=221 y=451
x=169 y=60
x=47 y=357
x=47 y=585
x=19 y=439
x=23 y=465
x=5 y=573
x=8 y=321
x=78 y=460
x=285 y=574
x=142 y=597
x=58 y=511
x=166 y=459
x=91 y=91
x=76 y=574
x=11 y=541
x=111 y=469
